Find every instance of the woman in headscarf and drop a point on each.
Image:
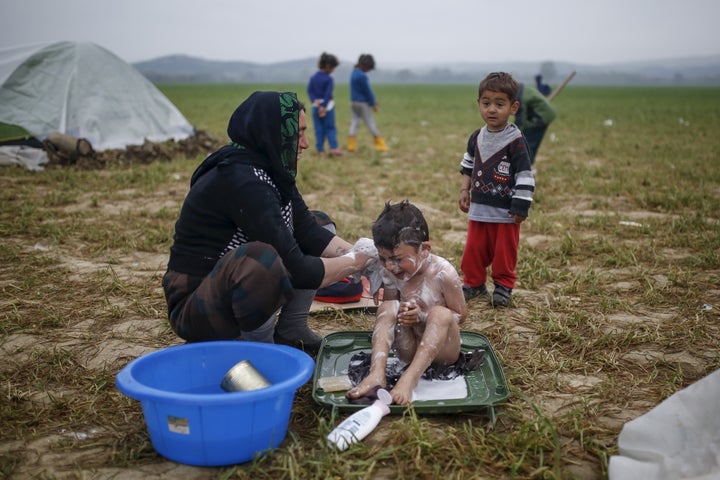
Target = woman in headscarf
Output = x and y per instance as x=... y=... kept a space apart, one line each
x=246 y=244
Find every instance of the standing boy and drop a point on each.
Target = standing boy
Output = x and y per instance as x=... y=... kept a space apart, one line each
x=496 y=192
x=363 y=103
x=423 y=304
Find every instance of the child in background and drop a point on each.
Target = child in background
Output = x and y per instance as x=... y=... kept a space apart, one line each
x=363 y=103
x=320 y=90
x=422 y=308
x=496 y=192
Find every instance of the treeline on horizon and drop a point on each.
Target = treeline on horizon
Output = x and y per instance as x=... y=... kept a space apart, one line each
x=180 y=69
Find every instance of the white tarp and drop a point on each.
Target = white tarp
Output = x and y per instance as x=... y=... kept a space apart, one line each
x=678 y=439
x=33 y=159
x=83 y=90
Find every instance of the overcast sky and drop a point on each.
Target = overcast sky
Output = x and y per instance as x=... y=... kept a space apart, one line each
x=396 y=32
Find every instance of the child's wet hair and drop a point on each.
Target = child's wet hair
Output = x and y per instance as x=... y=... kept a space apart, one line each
x=500 y=82
x=400 y=223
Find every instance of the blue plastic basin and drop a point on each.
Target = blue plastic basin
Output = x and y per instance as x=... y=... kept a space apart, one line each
x=192 y=420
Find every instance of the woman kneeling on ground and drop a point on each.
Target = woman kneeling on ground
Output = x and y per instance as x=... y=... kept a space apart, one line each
x=247 y=254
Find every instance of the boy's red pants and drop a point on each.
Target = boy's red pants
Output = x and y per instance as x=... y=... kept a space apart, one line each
x=492 y=245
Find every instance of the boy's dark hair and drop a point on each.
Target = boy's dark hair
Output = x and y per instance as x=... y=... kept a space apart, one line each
x=400 y=223
x=328 y=60
x=366 y=61
x=500 y=82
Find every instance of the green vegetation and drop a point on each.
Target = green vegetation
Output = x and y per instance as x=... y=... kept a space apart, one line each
x=619 y=255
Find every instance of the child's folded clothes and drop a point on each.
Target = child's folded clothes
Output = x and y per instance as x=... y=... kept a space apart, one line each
x=346 y=290
x=343 y=291
x=359 y=368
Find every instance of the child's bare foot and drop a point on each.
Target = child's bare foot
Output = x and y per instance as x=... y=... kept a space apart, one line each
x=369 y=383
x=402 y=393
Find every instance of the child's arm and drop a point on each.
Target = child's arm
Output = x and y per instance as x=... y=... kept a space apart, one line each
x=464 y=200
x=524 y=188
x=368 y=91
x=467 y=165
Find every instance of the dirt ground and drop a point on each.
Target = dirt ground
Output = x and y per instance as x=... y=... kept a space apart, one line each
x=68 y=453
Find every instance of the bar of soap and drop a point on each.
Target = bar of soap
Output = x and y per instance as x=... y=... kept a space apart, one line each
x=335 y=384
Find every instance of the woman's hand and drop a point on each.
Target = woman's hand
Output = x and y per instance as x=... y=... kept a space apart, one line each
x=365 y=254
x=342 y=259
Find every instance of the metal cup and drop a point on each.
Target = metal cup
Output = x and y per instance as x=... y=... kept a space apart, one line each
x=243 y=377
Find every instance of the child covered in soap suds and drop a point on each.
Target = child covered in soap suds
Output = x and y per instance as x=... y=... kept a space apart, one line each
x=423 y=303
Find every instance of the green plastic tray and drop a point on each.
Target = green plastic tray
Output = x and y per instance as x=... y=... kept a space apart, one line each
x=486 y=386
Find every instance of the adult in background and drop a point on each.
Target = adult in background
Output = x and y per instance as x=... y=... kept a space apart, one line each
x=246 y=246
x=533 y=117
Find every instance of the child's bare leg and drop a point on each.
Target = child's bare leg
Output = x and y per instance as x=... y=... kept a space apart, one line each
x=440 y=344
x=382 y=340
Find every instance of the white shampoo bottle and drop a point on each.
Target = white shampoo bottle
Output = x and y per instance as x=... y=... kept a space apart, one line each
x=358 y=425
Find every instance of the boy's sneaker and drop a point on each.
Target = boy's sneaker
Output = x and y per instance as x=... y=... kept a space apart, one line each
x=472 y=292
x=501 y=296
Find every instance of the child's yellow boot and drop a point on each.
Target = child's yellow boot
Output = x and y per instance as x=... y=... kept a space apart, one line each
x=380 y=144
x=351 y=146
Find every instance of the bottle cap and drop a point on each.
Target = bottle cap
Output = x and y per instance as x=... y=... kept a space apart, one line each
x=384 y=396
